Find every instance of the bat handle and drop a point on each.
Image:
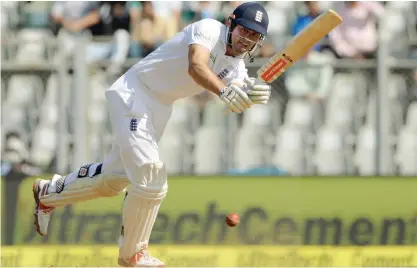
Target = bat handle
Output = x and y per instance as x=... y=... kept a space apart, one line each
x=259 y=80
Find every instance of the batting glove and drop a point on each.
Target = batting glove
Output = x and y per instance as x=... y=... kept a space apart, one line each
x=258 y=91
x=235 y=98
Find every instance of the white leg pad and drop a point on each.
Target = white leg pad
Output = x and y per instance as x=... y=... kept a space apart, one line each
x=84 y=184
x=141 y=207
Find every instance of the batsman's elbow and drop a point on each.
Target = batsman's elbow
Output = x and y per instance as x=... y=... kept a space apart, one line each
x=192 y=70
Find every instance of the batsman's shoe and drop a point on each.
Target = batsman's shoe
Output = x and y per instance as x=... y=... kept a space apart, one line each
x=141 y=259
x=42 y=213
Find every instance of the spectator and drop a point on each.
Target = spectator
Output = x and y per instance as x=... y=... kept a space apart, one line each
x=94 y=18
x=124 y=14
x=117 y=20
x=303 y=21
x=227 y=10
x=194 y=11
x=356 y=37
x=171 y=12
x=206 y=10
x=151 y=31
x=75 y=18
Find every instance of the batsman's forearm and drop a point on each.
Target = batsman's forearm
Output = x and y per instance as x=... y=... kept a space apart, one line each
x=205 y=77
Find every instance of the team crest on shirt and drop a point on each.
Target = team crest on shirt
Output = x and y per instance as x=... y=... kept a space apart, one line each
x=223 y=74
x=133 y=124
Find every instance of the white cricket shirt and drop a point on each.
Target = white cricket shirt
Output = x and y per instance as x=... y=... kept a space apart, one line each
x=164 y=72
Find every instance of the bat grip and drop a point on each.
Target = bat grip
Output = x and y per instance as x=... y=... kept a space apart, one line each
x=259 y=80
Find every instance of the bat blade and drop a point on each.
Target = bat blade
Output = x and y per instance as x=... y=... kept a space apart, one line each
x=299 y=45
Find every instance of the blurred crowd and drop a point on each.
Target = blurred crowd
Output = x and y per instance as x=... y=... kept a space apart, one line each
x=122 y=30
x=138 y=27
x=132 y=29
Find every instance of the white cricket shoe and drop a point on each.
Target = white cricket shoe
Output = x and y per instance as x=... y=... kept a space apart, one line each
x=141 y=259
x=42 y=213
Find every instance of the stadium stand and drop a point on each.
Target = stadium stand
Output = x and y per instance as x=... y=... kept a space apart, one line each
x=307 y=134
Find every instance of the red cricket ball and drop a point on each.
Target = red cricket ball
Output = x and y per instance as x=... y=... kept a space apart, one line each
x=232 y=219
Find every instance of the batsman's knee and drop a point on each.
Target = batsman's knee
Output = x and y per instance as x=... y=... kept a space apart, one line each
x=150 y=181
x=111 y=185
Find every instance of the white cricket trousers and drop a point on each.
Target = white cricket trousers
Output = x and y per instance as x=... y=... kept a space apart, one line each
x=138 y=122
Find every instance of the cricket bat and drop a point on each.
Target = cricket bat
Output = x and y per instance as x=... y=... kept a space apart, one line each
x=298 y=46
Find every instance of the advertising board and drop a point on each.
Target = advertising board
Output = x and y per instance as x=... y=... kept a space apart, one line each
x=215 y=256
x=273 y=211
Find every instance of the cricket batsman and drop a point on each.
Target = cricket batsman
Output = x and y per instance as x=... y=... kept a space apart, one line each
x=205 y=55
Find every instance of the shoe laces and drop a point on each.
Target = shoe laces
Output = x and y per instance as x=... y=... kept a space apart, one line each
x=145 y=252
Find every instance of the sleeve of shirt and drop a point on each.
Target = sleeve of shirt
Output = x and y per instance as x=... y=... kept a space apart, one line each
x=204 y=33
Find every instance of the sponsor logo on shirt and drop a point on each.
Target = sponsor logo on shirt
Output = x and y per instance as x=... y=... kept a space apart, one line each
x=201 y=36
x=213 y=58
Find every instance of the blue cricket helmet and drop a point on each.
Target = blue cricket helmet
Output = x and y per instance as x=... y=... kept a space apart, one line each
x=253 y=16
